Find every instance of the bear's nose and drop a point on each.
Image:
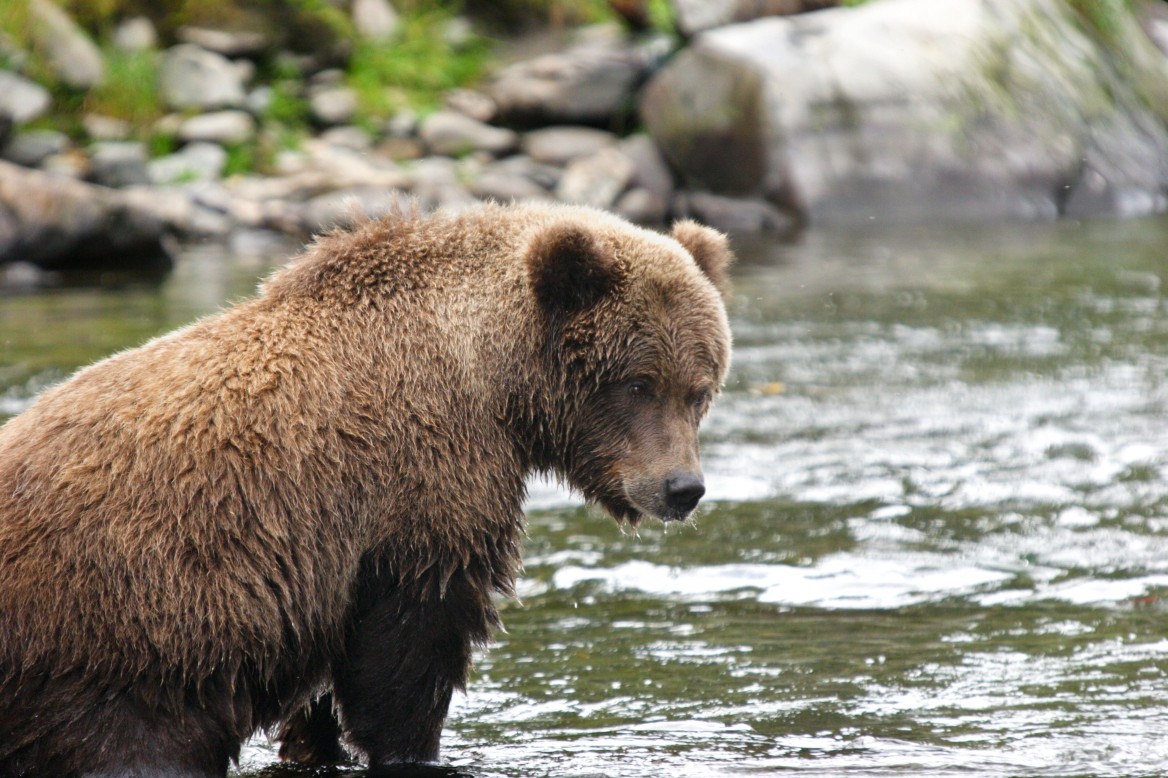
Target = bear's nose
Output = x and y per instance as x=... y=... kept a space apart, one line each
x=682 y=491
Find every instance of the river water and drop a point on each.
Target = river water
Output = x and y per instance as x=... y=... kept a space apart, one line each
x=936 y=539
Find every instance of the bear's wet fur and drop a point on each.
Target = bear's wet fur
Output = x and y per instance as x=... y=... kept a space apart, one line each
x=303 y=505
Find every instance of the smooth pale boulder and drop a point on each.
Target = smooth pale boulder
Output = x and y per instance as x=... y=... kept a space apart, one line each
x=920 y=110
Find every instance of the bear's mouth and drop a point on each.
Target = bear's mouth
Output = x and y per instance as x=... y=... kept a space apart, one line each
x=621 y=509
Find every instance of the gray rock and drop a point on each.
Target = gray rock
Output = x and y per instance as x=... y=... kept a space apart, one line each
x=561 y=145
x=136 y=34
x=914 y=110
x=469 y=102
x=259 y=100
x=70 y=163
x=504 y=186
x=229 y=43
x=452 y=134
x=347 y=137
x=57 y=222
x=118 y=164
x=402 y=124
x=21 y=99
x=650 y=171
x=642 y=207
x=597 y=180
x=458 y=32
x=177 y=209
x=33 y=147
x=694 y=16
x=333 y=105
x=585 y=84
x=733 y=214
x=192 y=77
x=99 y=127
x=69 y=52
x=194 y=162
x=546 y=176
x=374 y=19
x=226 y=128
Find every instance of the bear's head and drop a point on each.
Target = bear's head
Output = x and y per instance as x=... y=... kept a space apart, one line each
x=638 y=344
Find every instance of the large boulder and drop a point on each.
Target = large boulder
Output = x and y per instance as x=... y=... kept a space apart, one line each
x=918 y=110
x=60 y=223
x=694 y=16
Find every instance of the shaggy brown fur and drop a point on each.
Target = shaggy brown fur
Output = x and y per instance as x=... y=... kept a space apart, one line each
x=319 y=490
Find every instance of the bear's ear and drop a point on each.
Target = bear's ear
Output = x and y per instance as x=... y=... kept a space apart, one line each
x=569 y=270
x=710 y=250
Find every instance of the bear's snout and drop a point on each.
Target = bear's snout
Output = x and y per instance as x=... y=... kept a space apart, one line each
x=682 y=492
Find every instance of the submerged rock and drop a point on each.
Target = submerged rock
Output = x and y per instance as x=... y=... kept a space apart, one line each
x=919 y=110
x=57 y=222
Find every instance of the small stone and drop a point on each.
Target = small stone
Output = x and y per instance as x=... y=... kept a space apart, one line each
x=229 y=43
x=470 y=103
x=259 y=100
x=458 y=32
x=71 y=163
x=348 y=137
x=227 y=128
x=118 y=164
x=596 y=180
x=136 y=34
x=374 y=19
x=333 y=106
x=451 y=134
x=507 y=187
x=641 y=206
x=561 y=145
x=400 y=149
x=22 y=99
x=99 y=127
x=194 y=162
x=192 y=77
x=70 y=53
x=31 y=148
x=402 y=124
x=328 y=77
x=547 y=176
x=649 y=168
x=732 y=214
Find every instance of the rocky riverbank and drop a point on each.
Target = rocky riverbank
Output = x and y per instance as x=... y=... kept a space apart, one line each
x=1015 y=109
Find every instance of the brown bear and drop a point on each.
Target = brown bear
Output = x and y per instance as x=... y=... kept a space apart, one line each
x=305 y=503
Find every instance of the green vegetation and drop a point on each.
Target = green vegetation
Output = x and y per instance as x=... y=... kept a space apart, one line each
x=412 y=70
x=415 y=67
x=1105 y=17
x=130 y=89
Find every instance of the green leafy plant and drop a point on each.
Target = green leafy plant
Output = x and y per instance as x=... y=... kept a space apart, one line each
x=130 y=89
x=413 y=68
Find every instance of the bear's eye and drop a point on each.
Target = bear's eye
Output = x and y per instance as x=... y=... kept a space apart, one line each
x=701 y=399
x=640 y=389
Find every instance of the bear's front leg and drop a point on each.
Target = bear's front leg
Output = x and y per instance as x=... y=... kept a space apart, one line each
x=408 y=650
x=311 y=736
